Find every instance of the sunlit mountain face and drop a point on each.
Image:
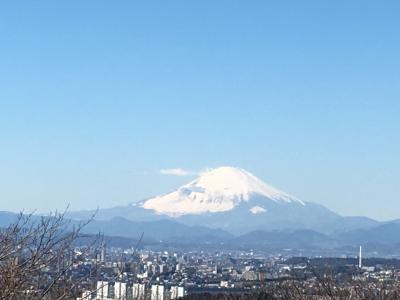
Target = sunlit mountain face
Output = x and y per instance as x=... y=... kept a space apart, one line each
x=236 y=201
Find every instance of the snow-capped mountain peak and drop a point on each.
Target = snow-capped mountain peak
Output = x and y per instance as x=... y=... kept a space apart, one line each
x=217 y=190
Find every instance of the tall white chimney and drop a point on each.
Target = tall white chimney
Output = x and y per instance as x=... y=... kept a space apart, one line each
x=360 y=258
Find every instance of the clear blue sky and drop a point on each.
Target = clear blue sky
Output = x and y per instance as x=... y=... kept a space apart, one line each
x=97 y=96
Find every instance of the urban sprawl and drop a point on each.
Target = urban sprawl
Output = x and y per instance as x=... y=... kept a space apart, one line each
x=124 y=274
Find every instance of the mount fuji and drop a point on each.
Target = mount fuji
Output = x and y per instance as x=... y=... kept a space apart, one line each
x=218 y=190
x=236 y=201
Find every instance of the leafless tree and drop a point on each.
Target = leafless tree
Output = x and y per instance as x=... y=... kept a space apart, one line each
x=36 y=256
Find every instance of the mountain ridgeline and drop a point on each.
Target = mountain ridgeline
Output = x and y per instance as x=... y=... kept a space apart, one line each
x=232 y=207
x=236 y=201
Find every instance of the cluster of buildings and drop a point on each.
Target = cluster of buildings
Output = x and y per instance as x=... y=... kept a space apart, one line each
x=123 y=291
x=125 y=274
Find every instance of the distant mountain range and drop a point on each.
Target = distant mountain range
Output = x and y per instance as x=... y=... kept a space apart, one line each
x=236 y=201
x=383 y=238
x=231 y=207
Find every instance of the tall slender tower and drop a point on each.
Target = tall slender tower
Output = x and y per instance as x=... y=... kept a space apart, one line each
x=103 y=252
x=360 y=258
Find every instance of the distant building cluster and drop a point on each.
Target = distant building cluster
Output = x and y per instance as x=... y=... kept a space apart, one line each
x=126 y=274
x=137 y=291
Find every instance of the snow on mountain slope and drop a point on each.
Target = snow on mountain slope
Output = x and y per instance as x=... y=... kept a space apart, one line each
x=218 y=190
x=257 y=210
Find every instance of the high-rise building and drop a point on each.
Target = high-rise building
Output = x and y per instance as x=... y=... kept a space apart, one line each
x=102 y=290
x=120 y=291
x=138 y=291
x=178 y=267
x=157 y=292
x=177 y=292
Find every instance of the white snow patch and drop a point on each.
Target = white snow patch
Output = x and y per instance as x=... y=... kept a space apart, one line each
x=257 y=210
